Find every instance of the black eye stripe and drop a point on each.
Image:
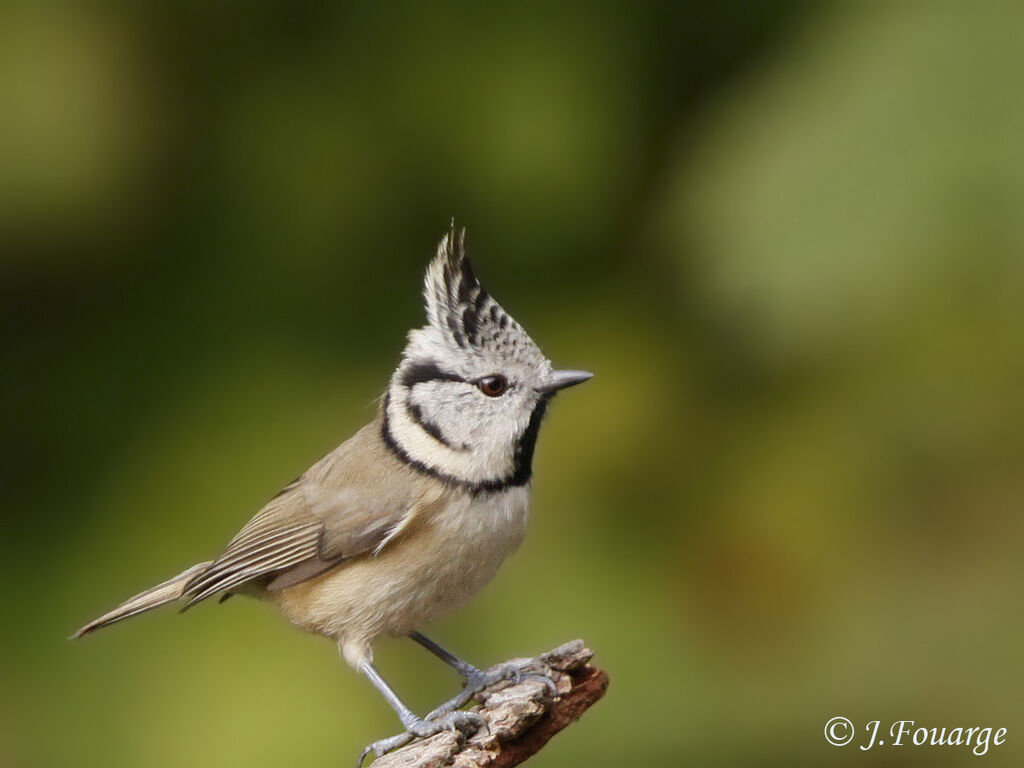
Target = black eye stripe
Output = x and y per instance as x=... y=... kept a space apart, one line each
x=416 y=414
x=424 y=371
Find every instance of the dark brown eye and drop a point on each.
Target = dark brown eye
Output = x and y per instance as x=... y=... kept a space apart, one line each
x=492 y=386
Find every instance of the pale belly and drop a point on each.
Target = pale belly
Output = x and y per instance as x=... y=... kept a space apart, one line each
x=414 y=580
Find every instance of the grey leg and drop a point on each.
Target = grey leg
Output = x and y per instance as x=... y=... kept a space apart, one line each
x=464 y=668
x=467 y=722
x=476 y=679
x=406 y=715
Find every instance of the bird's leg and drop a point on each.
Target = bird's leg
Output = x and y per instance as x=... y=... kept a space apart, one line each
x=476 y=679
x=467 y=722
x=464 y=668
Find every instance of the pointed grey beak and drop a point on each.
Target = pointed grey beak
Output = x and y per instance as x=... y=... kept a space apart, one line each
x=562 y=379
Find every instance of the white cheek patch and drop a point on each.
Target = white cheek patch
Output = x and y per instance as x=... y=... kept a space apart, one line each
x=487 y=459
x=433 y=411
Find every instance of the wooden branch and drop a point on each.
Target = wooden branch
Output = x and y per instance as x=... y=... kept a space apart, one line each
x=521 y=717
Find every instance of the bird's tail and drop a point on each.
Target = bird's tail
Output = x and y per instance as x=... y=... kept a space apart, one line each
x=161 y=594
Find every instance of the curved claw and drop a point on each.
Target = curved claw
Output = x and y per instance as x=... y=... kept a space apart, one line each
x=548 y=682
x=517 y=675
x=452 y=705
x=383 y=746
x=465 y=722
x=506 y=672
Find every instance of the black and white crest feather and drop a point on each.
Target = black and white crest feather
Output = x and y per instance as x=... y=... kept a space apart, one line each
x=461 y=309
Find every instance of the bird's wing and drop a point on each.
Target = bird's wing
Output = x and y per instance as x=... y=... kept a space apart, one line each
x=263 y=547
x=353 y=501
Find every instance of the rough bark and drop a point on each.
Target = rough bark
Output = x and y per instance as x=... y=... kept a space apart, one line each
x=521 y=717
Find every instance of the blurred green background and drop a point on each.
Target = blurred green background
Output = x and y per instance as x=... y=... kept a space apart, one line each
x=788 y=237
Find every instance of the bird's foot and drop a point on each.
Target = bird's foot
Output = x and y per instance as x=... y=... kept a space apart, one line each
x=383 y=746
x=478 y=679
x=466 y=723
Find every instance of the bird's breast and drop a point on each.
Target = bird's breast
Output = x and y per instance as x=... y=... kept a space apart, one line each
x=475 y=525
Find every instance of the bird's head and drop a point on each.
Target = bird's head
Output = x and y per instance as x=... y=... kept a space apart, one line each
x=468 y=397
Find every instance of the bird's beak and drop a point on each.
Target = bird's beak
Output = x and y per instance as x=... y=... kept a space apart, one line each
x=562 y=379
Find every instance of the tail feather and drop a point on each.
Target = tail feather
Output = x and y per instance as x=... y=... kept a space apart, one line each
x=161 y=594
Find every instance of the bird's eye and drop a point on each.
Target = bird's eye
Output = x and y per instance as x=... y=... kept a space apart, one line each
x=492 y=386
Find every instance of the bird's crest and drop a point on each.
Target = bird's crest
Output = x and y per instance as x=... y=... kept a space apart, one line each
x=462 y=311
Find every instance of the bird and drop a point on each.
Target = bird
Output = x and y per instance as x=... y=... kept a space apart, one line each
x=414 y=514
